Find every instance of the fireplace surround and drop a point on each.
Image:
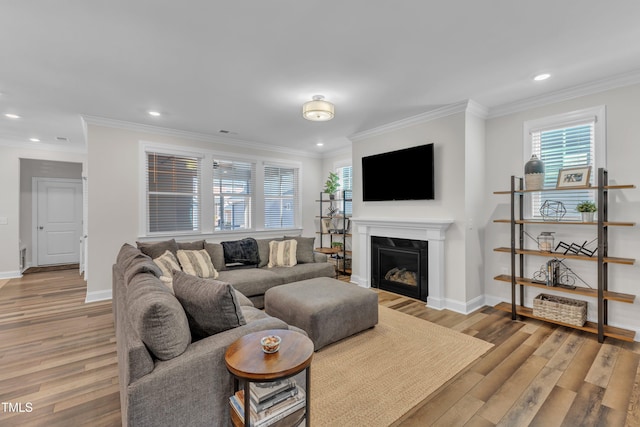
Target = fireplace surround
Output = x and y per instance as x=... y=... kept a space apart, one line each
x=432 y=231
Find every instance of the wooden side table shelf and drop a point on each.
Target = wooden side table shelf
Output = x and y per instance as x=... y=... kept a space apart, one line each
x=247 y=362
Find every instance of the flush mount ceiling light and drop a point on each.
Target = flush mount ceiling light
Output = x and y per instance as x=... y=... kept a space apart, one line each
x=541 y=77
x=318 y=110
x=12 y=116
x=154 y=113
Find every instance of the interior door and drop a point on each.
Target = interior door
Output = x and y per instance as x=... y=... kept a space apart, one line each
x=59 y=224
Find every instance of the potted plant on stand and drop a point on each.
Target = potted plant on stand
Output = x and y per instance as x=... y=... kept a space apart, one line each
x=587 y=209
x=332 y=184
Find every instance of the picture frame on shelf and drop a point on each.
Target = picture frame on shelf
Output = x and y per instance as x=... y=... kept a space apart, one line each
x=574 y=177
x=325 y=223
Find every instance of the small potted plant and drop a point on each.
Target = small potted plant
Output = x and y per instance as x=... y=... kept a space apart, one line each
x=332 y=184
x=587 y=209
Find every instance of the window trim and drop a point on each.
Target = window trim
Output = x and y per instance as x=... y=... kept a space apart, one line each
x=597 y=113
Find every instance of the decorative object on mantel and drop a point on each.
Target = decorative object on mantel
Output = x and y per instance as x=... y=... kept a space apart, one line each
x=534 y=173
x=574 y=177
x=575 y=249
x=552 y=210
x=587 y=209
x=545 y=241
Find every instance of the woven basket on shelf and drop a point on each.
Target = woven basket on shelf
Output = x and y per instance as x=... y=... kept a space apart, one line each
x=560 y=309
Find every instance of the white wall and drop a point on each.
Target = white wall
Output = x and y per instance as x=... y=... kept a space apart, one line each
x=504 y=158
x=114 y=193
x=448 y=135
x=30 y=169
x=10 y=156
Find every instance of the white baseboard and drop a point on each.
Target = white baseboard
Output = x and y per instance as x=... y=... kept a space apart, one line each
x=360 y=281
x=98 y=296
x=10 y=274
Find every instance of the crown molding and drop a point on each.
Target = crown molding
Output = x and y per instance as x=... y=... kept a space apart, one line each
x=203 y=137
x=613 y=82
x=477 y=109
x=337 y=152
x=447 y=110
x=43 y=146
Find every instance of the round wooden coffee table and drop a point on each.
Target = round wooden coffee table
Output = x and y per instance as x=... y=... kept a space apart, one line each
x=247 y=362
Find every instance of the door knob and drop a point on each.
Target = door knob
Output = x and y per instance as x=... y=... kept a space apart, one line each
x=41 y=228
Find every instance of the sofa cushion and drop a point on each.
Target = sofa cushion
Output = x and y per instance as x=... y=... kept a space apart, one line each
x=304 y=251
x=191 y=246
x=211 y=305
x=304 y=271
x=133 y=262
x=155 y=249
x=157 y=317
x=263 y=250
x=216 y=253
x=197 y=263
x=243 y=300
x=282 y=254
x=251 y=281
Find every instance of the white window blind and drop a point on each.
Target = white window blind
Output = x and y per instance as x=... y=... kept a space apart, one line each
x=346 y=183
x=233 y=183
x=173 y=193
x=281 y=196
x=559 y=148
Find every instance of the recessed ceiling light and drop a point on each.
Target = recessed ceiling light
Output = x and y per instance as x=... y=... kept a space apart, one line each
x=541 y=77
x=34 y=140
x=12 y=116
x=319 y=144
x=154 y=113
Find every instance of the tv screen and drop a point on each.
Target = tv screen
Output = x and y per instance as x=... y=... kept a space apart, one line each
x=399 y=175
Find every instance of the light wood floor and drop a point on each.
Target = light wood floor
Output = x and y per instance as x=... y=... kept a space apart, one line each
x=58 y=354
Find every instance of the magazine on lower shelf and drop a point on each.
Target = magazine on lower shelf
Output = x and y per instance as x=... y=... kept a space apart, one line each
x=263 y=391
x=270 y=415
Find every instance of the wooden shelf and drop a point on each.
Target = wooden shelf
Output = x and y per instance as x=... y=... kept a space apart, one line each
x=539 y=221
x=607 y=259
x=588 y=292
x=335 y=234
x=328 y=251
x=609 y=331
x=607 y=187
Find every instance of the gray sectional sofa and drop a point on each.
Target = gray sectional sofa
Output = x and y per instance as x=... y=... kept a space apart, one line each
x=169 y=375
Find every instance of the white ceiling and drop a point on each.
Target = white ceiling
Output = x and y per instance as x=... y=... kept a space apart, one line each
x=248 y=66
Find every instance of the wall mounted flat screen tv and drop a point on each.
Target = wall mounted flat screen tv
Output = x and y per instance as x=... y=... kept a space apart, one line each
x=399 y=175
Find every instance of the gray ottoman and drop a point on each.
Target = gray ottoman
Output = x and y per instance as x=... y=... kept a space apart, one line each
x=327 y=309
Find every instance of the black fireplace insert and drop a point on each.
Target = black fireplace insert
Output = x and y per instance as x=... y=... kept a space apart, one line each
x=400 y=266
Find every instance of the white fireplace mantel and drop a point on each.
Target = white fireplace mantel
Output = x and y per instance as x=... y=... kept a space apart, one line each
x=430 y=230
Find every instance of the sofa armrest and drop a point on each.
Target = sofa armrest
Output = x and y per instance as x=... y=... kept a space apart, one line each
x=192 y=389
x=319 y=257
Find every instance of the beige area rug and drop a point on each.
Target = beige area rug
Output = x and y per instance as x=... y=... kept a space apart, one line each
x=375 y=377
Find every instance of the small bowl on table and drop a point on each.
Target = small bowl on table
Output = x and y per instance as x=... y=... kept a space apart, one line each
x=270 y=343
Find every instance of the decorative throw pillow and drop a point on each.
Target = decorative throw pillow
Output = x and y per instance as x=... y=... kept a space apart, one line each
x=304 y=252
x=263 y=250
x=167 y=263
x=155 y=249
x=282 y=254
x=211 y=306
x=216 y=253
x=157 y=317
x=197 y=263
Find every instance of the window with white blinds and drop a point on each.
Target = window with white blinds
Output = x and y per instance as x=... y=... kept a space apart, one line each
x=233 y=189
x=281 y=196
x=346 y=183
x=568 y=143
x=173 y=193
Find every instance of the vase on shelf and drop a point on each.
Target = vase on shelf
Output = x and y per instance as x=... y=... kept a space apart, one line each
x=587 y=216
x=534 y=173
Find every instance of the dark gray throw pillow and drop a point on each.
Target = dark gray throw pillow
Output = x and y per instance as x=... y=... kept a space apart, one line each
x=155 y=249
x=211 y=305
x=191 y=246
x=157 y=317
x=304 y=250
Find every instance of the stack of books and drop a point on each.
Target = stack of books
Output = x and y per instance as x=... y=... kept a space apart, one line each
x=278 y=404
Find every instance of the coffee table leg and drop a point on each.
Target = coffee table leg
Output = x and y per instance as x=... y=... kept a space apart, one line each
x=247 y=408
x=308 y=402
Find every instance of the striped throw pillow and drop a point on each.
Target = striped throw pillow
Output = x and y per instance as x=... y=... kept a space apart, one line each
x=167 y=262
x=282 y=254
x=197 y=263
